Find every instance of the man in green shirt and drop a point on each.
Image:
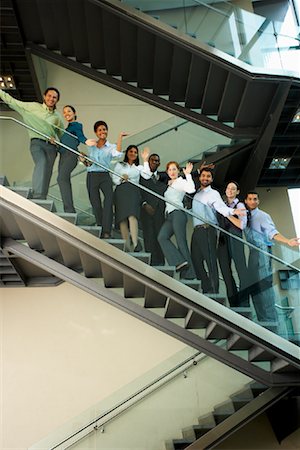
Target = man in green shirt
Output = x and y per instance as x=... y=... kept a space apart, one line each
x=44 y=118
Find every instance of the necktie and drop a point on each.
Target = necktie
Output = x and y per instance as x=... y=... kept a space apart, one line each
x=248 y=219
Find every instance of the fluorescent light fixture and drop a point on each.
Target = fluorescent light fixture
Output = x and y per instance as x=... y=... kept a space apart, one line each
x=7 y=82
x=296 y=117
x=279 y=163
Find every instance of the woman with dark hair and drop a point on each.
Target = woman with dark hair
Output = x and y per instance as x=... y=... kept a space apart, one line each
x=176 y=219
x=127 y=196
x=231 y=250
x=72 y=137
x=98 y=177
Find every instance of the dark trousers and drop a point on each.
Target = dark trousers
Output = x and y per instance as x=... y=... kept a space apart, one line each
x=97 y=181
x=43 y=154
x=231 y=250
x=175 y=224
x=151 y=226
x=67 y=163
x=204 y=248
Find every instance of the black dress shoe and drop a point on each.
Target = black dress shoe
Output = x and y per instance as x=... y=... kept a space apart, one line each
x=138 y=247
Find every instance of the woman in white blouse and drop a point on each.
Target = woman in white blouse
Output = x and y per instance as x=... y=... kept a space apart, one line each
x=127 y=197
x=176 y=220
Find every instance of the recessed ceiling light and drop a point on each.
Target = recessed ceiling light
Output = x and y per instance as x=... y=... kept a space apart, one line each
x=279 y=163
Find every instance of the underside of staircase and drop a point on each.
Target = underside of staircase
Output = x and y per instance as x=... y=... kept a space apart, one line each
x=32 y=236
x=130 y=51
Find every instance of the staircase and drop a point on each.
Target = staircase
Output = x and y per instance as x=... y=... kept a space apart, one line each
x=228 y=417
x=157 y=64
x=32 y=236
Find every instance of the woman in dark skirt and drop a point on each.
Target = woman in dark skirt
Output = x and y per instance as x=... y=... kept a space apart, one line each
x=127 y=197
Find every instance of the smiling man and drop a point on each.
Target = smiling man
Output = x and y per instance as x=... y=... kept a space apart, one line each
x=261 y=232
x=206 y=203
x=44 y=118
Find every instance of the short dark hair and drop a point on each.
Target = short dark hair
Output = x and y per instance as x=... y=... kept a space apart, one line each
x=137 y=161
x=98 y=123
x=72 y=108
x=206 y=169
x=52 y=89
x=154 y=154
x=252 y=193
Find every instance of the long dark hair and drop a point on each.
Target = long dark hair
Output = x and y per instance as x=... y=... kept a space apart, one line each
x=137 y=161
x=72 y=108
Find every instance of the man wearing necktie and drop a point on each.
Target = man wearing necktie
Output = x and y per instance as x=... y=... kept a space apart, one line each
x=152 y=212
x=261 y=232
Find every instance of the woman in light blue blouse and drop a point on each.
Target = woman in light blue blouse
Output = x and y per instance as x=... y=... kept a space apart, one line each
x=98 y=177
x=127 y=196
x=68 y=160
x=176 y=220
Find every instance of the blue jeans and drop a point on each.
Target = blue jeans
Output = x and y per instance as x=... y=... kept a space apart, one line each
x=43 y=154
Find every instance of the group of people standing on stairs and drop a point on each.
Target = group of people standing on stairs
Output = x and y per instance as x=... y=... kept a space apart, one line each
x=161 y=217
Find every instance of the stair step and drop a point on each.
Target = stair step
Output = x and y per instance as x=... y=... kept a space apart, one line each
x=257 y=353
x=281 y=366
x=23 y=191
x=257 y=388
x=175 y=310
x=193 y=284
x=216 y=331
x=132 y=287
x=217 y=297
x=141 y=256
x=180 y=444
x=70 y=217
x=46 y=204
x=246 y=312
x=154 y=299
x=224 y=408
x=93 y=229
x=195 y=432
x=195 y=320
x=236 y=342
x=118 y=243
x=168 y=270
x=221 y=417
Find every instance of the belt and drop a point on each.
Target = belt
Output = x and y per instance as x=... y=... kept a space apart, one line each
x=44 y=140
x=204 y=225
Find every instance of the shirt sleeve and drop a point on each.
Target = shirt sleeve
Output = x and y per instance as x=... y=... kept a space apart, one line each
x=185 y=185
x=15 y=104
x=145 y=171
x=119 y=169
x=269 y=227
x=114 y=151
x=217 y=203
x=79 y=133
x=243 y=219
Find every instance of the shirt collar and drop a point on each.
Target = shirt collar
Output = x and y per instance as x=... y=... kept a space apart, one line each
x=48 y=109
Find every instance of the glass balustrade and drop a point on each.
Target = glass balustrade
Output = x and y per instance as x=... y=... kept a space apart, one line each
x=241 y=34
x=243 y=272
x=155 y=407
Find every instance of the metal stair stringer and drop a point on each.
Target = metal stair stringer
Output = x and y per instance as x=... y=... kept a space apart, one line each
x=82 y=253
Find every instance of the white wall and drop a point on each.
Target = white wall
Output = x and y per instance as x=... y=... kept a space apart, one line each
x=63 y=350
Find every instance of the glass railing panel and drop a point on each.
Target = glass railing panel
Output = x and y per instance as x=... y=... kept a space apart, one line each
x=246 y=36
x=198 y=237
x=153 y=408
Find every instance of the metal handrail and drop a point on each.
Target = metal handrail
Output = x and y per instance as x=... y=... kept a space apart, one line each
x=144 y=188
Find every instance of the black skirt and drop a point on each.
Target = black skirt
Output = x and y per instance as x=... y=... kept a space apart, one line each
x=127 y=200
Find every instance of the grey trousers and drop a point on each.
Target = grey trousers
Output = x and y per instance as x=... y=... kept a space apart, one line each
x=43 y=154
x=67 y=163
x=175 y=224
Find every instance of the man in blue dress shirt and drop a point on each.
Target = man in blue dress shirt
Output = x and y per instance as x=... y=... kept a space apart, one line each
x=261 y=231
